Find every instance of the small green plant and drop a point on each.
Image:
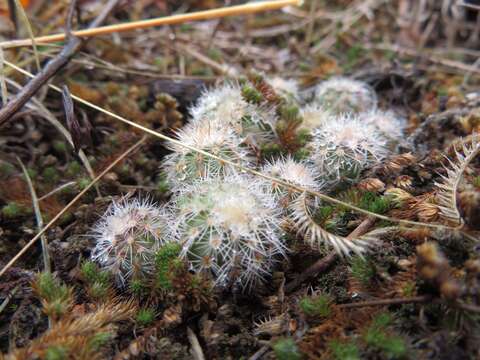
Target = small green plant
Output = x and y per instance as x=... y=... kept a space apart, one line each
x=316 y=306
x=145 y=317
x=163 y=264
x=375 y=203
x=286 y=349
x=377 y=337
x=13 y=210
x=50 y=175
x=362 y=270
x=56 y=352
x=98 y=282
x=344 y=350
x=57 y=298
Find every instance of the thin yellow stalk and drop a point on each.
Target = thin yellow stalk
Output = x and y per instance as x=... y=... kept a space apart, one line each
x=238 y=166
x=249 y=8
x=70 y=204
x=31 y=40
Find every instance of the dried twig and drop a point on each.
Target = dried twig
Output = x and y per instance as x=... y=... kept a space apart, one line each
x=71 y=47
x=325 y=262
x=248 y=8
x=382 y=302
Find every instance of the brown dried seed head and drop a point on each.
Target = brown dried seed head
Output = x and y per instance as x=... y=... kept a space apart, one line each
x=404 y=182
x=427 y=212
x=371 y=184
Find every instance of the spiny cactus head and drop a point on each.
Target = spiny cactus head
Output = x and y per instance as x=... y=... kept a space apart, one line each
x=294 y=172
x=285 y=87
x=314 y=116
x=229 y=227
x=184 y=165
x=344 y=146
x=388 y=123
x=242 y=108
x=342 y=95
x=127 y=236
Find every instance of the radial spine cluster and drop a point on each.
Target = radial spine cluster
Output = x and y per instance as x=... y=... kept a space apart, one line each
x=230 y=227
x=127 y=236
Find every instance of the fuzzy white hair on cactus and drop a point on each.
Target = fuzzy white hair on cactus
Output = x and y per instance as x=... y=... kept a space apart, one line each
x=226 y=105
x=344 y=146
x=185 y=165
x=387 y=122
x=229 y=227
x=127 y=236
x=343 y=95
x=314 y=116
x=286 y=87
x=300 y=173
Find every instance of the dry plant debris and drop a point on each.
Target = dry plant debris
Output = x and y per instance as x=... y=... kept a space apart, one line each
x=294 y=184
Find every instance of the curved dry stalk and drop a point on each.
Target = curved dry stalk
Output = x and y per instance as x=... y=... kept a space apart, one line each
x=47 y=115
x=249 y=8
x=315 y=235
x=278 y=181
x=448 y=187
x=70 y=204
x=38 y=216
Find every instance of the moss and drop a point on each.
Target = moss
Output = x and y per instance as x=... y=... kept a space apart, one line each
x=13 y=210
x=286 y=349
x=163 y=263
x=50 y=175
x=83 y=182
x=251 y=95
x=145 y=317
x=6 y=169
x=60 y=146
x=56 y=353
x=73 y=169
x=377 y=337
x=362 y=270
x=98 y=282
x=375 y=203
x=344 y=351
x=316 y=306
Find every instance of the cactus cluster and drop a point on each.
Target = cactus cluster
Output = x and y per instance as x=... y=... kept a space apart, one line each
x=230 y=224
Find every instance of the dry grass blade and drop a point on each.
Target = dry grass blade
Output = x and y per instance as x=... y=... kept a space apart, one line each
x=448 y=187
x=32 y=40
x=315 y=235
x=70 y=204
x=248 y=8
x=38 y=216
x=3 y=83
x=278 y=181
x=47 y=115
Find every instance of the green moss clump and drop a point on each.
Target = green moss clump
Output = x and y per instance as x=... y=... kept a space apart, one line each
x=98 y=282
x=13 y=210
x=164 y=259
x=376 y=336
x=251 y=95
x=145 y=317
x=73 y=169
x=344 y=351
x=286 y=349
x=316 y=306
x=50 y=175
x=362 y=270
x=56 y=353
x=375 y=203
